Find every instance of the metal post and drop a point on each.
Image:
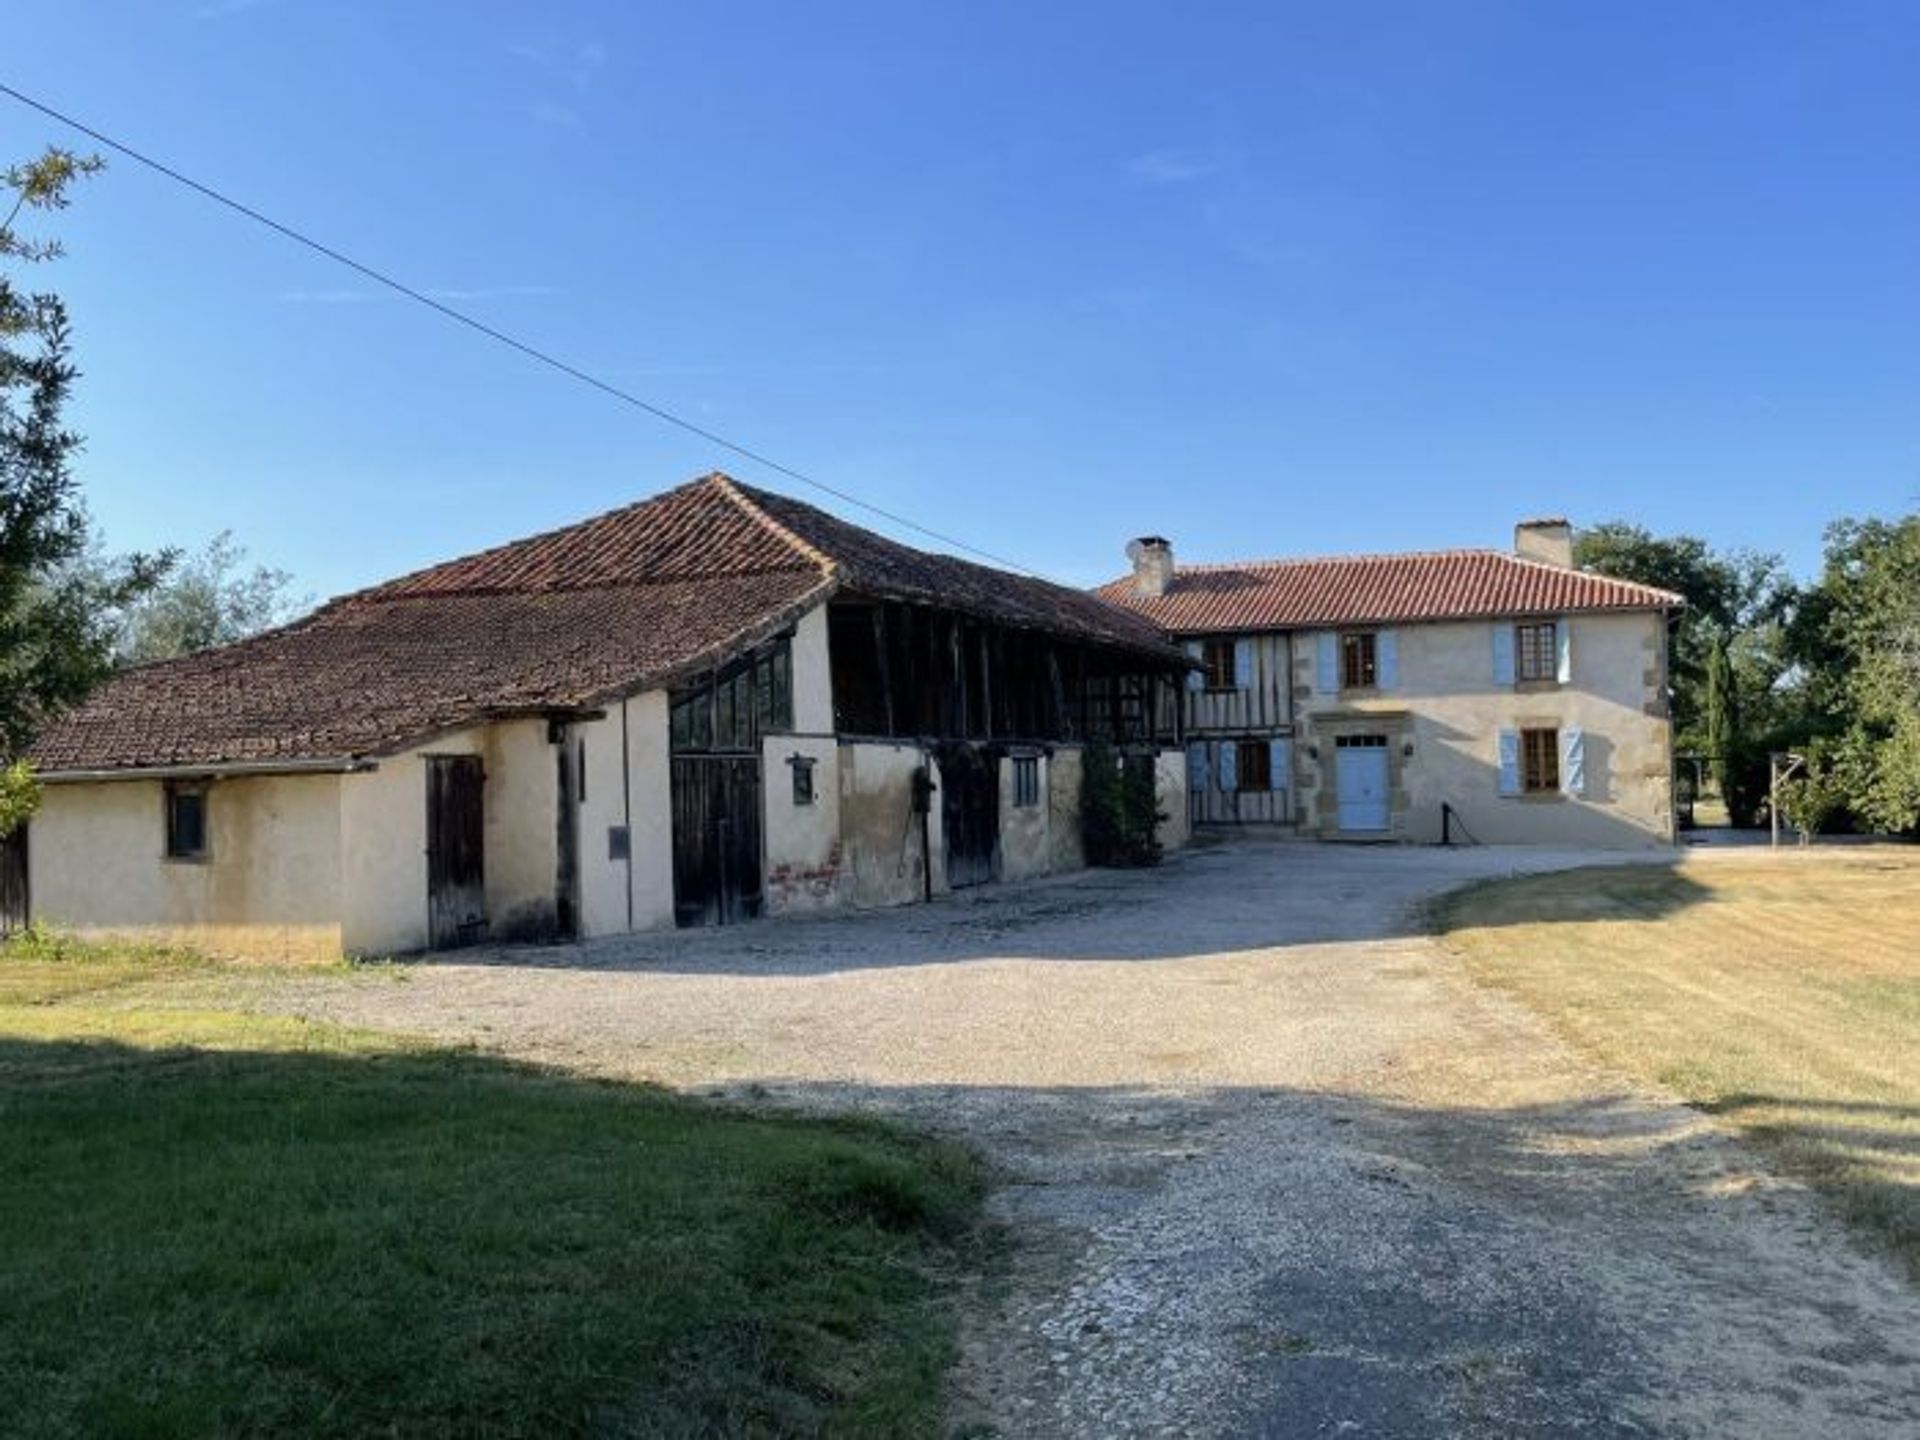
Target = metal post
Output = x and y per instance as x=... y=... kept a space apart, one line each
x=1773 y=797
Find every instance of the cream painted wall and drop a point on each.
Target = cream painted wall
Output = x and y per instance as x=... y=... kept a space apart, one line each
x=603 y=880
x=1170 y=791
x=880 y=833
x=269 y=889
x=383 y=830
x=805 y=867
x=640 y=723
x=812 y=675
x=1026 y=832
x=1066 y=844
x=1449 y=709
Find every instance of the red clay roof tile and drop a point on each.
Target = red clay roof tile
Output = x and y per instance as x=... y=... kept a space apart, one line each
x=1376 y=589
x=564 y=620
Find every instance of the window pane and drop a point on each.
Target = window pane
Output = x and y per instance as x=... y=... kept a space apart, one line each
x=186 y=823
x=1253 y=770
x=1357 y=661
x=783 y=688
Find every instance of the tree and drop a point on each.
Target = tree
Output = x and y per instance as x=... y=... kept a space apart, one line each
x=56 y=630
x=210 y=598
x=19 y=796
x=1740 y=598
x=1857 y=642
x=1728 y=753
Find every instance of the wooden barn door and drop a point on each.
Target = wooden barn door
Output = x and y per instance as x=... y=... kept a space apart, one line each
x=716 y=839
x=456 y=851
x=14 y=910
x=969 y=814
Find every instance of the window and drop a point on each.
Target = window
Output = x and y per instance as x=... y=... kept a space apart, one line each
x=735 y=708
x=1216 y=658
x=1254 y=770
x=1026 y=781
x=1539 y=761
x=1359 y=660
x=1536 y=649
x=186 y=822
x=802 y=779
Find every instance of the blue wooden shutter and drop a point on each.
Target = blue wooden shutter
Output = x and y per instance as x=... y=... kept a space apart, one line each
x=1573 y=762
x=1195 y=678
x=1197 y=765
x=1229 y=765
x=1279 y=765
x=1243 y=664
x=1509 y=761
x=1386 y=659
x=1326 y=670
x=1502 y=653
x=1563 y=662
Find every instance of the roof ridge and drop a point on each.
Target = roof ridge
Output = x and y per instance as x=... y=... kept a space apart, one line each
x=396 y=581
x=750 y=507
x=1462 y=552
x=1274 y=562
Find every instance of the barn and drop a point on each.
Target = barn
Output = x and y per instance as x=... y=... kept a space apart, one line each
x=710 y=705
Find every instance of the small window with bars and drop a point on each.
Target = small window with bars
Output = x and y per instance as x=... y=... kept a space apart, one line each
x=1026 y=781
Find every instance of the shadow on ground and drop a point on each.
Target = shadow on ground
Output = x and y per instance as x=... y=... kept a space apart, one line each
x=1216 y=1261
x=1208 y=900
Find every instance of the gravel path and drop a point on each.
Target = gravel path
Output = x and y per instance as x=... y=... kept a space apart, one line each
x=1274 y=1167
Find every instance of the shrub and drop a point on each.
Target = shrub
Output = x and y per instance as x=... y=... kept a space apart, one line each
x=1119 y=808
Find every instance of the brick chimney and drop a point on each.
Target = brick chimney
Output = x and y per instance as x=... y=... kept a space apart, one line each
x=1548 y=540
x=1152 y=557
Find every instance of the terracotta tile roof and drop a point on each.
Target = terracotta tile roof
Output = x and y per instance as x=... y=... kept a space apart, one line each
x=564 y=620
x=1376 y=589
x=873 y=565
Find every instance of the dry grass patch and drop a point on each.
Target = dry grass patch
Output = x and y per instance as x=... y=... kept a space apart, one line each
x=1779 y=992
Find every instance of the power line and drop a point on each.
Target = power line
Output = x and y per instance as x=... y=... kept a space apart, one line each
x=532 y=352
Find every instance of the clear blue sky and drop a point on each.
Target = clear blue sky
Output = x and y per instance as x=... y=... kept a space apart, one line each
x=1267 y=278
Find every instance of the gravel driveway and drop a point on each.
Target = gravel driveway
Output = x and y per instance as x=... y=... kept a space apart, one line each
x=1274 y=1167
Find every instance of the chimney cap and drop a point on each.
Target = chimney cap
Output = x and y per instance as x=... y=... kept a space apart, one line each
x=1152 y=560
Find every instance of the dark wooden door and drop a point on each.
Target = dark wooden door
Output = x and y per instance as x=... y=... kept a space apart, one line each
x=456 y=851
x=14 y=910
x=716 y=839
x=970 y=814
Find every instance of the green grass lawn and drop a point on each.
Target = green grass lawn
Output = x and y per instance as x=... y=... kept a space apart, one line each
x=1778 y=992
x=221 y=1224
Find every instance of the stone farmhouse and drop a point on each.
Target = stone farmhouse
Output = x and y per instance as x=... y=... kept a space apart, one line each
x=1460 y=694
x=710 y=705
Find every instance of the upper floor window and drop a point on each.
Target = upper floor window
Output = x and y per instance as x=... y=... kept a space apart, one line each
x=1359 y=660
x=1216 y=658
x=186 y=821
x=734 y=708
x=1536 y=650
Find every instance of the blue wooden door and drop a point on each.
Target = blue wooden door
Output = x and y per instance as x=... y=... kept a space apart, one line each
x=1360 y=779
